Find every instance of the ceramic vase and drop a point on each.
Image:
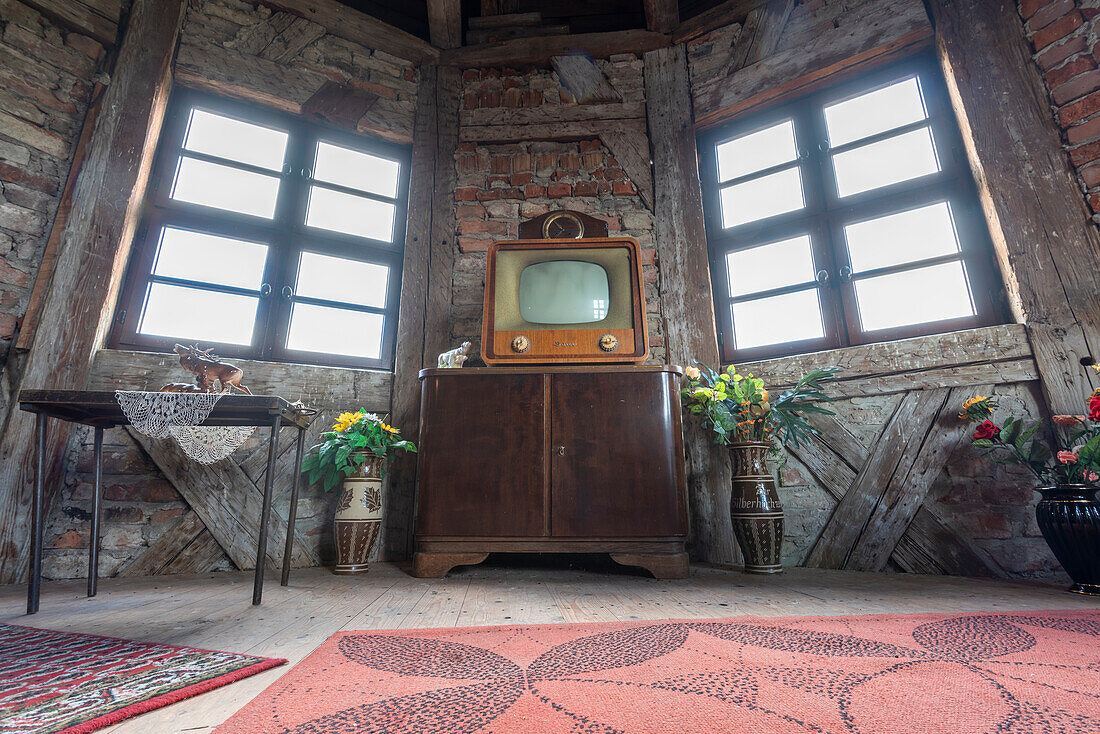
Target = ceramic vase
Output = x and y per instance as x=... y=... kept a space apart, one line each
x=358 y=517
x=1069 y=517
x=755 y=509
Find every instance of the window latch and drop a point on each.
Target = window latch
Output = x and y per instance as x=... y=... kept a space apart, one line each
x=822 y=277
x=845 y=274
x=287 y=292
x=265 y=290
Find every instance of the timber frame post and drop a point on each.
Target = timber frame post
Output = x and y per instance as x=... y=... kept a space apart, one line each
x=688 y=311
x=1046 y=243
x=77 y=311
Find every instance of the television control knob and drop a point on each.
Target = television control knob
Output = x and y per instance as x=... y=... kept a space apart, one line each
x=521 y=344
x=609 y=342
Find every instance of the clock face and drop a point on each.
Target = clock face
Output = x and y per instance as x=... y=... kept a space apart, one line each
x=562 y=226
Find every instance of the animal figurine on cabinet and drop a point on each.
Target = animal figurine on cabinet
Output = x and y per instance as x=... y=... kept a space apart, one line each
x=211 y=374
x=454 y=358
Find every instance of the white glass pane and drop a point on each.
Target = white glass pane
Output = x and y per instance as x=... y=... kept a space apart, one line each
x=236 y=140
x=895 y=159
x=762 y=197
x=335 y=331
x=210 y=259
x=917 y=234
x=875 y=112
x=914 y=297
x=340 y=212
x=191 y=313
x=777 y=319
x=211 y=184
x=756 y=151
x=337 y=279
x=770 y=266
x=356 y=170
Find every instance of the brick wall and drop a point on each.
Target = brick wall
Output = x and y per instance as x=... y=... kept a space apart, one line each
x=1063 y=35
x=500 y=184
x=46 y=77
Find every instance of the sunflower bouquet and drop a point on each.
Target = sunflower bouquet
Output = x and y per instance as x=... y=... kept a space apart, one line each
x=354 y=438
x=738 y=408
x=1067 y=453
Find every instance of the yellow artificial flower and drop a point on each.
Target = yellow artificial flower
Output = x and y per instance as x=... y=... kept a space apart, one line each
x=389 y=429
x=345 y=421
x=764 y=393
x=976 y=408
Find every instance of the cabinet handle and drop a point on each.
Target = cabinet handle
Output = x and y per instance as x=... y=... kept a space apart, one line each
x=561 y=451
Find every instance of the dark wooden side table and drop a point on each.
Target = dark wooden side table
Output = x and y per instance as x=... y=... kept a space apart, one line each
x=99 y=409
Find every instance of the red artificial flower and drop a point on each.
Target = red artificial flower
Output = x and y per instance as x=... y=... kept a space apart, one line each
x=1094 y=408
x=1067 y=457
x=988 y=429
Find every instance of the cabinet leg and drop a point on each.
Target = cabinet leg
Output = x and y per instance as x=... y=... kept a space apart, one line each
x=436 y=565
x=661 y=565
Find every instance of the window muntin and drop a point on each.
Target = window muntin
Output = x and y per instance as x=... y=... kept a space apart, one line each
x=236 y=253
x=890 y=239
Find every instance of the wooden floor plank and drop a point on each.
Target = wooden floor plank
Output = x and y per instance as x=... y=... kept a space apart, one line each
x=214 y=611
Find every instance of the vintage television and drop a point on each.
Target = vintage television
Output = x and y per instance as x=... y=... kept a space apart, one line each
x=562 y=301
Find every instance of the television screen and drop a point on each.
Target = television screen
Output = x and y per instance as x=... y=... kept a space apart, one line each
x=564 y=292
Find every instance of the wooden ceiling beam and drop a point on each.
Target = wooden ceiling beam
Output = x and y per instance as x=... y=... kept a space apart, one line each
x=661 y=16
x=351 y=25
x=98 y=20
x=539 y=50
x=723 y=14
x=445 y=23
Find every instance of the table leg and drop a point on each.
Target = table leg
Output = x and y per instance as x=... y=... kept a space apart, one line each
x=265 y=513
x=35 y=570
x=97 y=511
x=292 y=515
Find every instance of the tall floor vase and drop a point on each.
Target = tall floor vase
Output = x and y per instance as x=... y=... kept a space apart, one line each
x=358 y=517
x=1069 y=517
x=755 y=509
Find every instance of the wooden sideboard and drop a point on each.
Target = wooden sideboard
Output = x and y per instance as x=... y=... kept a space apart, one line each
x=551 y=460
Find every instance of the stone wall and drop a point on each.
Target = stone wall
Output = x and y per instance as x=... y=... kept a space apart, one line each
x=498 y=185
x=46 y=79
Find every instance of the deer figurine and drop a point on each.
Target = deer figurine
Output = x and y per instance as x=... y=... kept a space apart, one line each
x=209 y=372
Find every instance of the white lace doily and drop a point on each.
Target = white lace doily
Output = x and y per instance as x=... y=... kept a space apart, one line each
x=162 y=414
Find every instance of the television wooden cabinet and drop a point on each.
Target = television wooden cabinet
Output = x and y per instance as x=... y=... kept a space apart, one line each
x=551 y=460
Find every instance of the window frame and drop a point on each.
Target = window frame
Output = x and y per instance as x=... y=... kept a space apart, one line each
x=285 y=234
x=825 y=214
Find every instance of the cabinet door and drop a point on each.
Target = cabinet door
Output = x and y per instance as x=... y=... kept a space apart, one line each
x=616 y=455
x=483 y=456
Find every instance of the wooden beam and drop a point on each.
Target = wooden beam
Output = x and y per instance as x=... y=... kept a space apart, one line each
x=898 y=463
x=90 y=261
x=885 y=31
x=582 y=79
x=352 y=25
x=630 y=147
x=661 y=16
x=324 y=388
x=1046 y=242
x=99 y=21
x=688 y=311
x=834 y=457
x=760 y=35
x=552 y=114
x=1003 y=343
x=539 y=50
x=971 y=375
x=445 y=23
x=722 y=14
x=228 y=503
x=186 y=547
x=409 y=358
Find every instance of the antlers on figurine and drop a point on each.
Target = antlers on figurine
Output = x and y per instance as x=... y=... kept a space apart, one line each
x=210 y=374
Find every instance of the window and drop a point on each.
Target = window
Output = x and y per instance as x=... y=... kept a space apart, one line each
x=267 y=237
x=845 y=218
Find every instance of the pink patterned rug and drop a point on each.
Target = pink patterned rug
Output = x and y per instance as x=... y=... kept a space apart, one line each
x=65 y=682
x=1019 y=673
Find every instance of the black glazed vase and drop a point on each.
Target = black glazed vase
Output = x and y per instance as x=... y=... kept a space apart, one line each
x=1069 y=517
x=755 y=509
